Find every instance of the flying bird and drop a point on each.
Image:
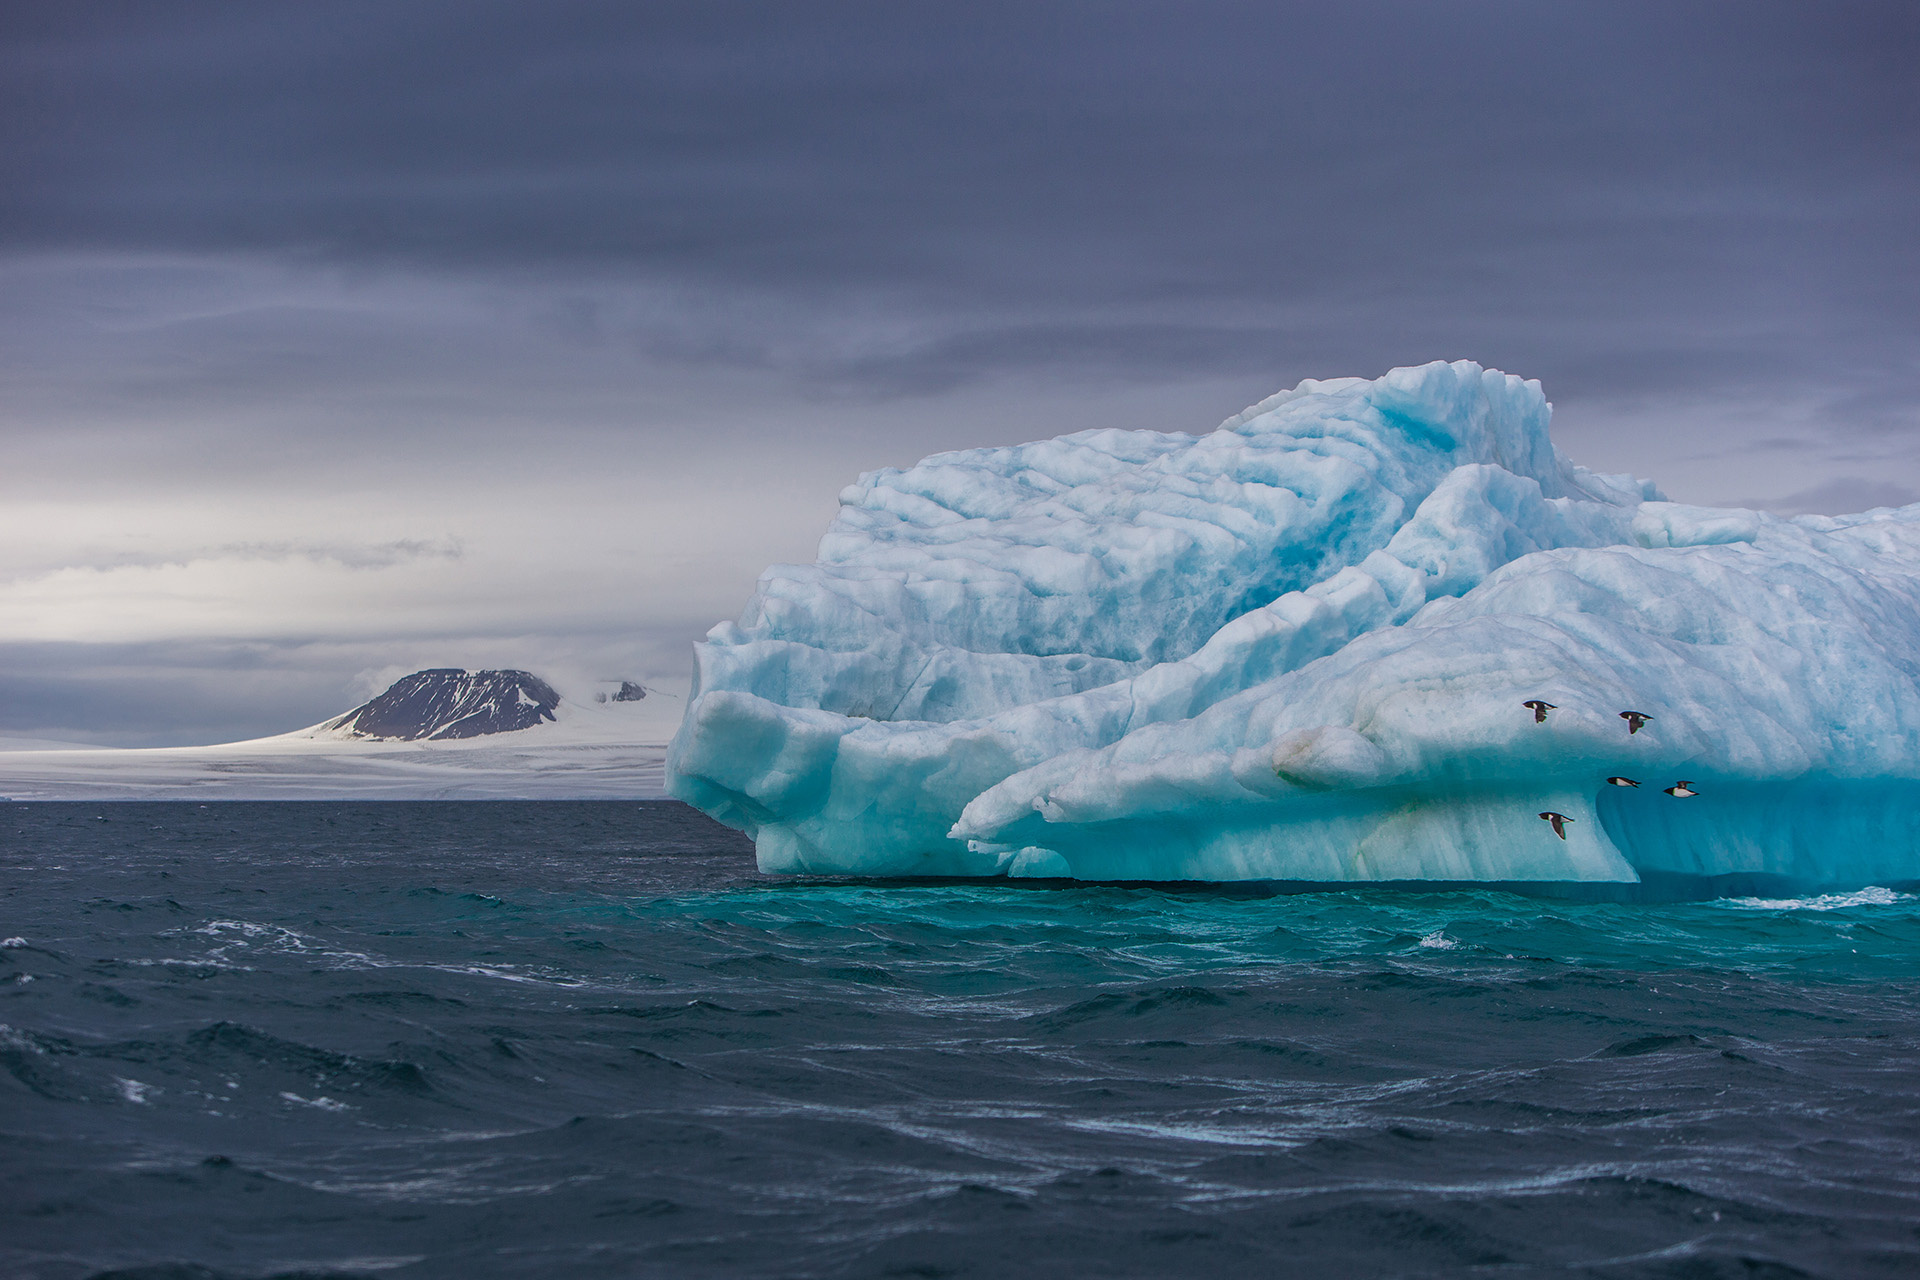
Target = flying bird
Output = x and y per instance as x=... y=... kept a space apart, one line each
x=1623 y=782
x=1559 y=821
x=1681 y=790
x=1634 y=720
x=1539 y=709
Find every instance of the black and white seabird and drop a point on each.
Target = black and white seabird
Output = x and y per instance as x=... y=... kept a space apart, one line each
x=1681 y=790
x=1539 y=709
x=1559 y=821
x=1623 y=782
x=1634 y=720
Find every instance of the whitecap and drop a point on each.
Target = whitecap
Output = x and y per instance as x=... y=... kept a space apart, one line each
x=1871 y=896
x=321 y=1103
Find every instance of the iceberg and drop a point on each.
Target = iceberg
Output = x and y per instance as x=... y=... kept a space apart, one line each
x=1301 y=647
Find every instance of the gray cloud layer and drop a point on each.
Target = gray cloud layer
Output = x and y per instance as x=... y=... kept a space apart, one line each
x=368 y=275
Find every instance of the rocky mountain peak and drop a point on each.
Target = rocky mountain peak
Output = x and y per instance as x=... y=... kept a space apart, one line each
x=448 y=702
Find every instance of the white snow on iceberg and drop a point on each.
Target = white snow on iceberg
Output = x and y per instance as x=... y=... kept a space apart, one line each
x=1297 y=648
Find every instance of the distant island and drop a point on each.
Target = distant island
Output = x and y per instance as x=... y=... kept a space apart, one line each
x=440 y=733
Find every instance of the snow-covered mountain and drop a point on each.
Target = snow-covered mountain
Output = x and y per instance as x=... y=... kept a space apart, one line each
x=442 y=733
x=447 y=702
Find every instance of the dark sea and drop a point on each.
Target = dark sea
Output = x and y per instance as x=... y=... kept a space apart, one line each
x=587 y=1039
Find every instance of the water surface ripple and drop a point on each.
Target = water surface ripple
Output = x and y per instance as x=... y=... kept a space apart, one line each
x=586 y=1039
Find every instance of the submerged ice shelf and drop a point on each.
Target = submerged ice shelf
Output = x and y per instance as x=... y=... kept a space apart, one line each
x=1298 y=647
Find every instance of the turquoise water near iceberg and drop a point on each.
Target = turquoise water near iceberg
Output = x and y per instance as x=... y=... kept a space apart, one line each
x=559 y=1039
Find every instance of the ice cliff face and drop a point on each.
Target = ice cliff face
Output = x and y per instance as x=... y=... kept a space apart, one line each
x=1297 y=648
x=447 y=702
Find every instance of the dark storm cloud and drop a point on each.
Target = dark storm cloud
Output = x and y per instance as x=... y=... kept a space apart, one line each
x=1470 y=170
x=894 y=199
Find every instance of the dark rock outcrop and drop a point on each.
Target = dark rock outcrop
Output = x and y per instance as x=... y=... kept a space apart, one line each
x=447 y=702
x=629 y=692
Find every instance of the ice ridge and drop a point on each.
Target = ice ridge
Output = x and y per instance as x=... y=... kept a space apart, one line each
x=1297 y=648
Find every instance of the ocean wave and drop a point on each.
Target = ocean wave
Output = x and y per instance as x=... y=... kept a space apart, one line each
x=1872 y=896
x=451 y=1037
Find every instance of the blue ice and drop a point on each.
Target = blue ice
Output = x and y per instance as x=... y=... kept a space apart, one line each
x=1297 y=648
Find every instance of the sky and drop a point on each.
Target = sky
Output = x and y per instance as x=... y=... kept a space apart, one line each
x=342 y=340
